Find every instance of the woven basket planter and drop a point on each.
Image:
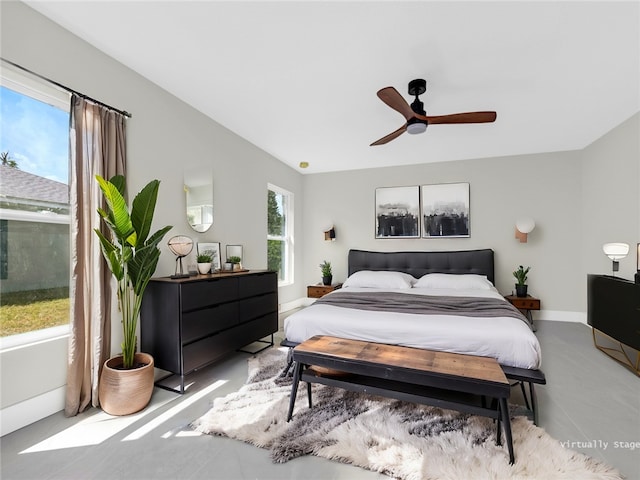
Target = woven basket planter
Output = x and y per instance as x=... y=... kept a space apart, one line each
x=123 y=392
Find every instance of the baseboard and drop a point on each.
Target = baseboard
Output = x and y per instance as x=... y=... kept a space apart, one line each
x=25 y=413
x=560 y=316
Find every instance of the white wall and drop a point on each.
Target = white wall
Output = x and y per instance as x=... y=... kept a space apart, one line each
x=165 y=137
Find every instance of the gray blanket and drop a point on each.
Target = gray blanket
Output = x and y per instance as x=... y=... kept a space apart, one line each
x=422 y=304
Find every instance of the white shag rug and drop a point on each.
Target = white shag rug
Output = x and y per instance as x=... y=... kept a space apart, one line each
x=402 y=440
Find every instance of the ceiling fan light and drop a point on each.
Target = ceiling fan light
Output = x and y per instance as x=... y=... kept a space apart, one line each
x=415 y=128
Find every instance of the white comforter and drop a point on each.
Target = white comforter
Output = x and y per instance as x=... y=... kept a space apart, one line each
x=508 y=340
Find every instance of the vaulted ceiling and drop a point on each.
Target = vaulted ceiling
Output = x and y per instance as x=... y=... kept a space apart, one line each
x=299 y=78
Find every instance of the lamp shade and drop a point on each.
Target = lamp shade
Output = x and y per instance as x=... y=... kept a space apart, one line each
x=615 y=251
x=525 y=224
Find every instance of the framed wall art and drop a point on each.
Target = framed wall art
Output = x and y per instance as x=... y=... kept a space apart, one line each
x=214 y=248
x=445 y=210
x=398 y=212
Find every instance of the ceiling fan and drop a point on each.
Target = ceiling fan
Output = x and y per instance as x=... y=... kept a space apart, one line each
x=417 y=119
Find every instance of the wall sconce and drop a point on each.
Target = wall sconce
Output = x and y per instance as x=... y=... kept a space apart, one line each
x=330 y=234
x=524 y=226
x=615 y=251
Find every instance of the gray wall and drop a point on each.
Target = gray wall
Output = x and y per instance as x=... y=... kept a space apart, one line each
x=564 y=192
x=544 y=187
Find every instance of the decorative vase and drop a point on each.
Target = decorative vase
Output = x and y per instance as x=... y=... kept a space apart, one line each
x=327 y=280
x=237 y=266
x=123 y=392
x=204 y=267
x=521 y=290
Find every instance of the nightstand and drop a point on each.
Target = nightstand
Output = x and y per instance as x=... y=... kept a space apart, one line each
x=319 y=290
x=526 y=304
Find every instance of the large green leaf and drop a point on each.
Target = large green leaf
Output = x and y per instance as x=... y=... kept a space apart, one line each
x=119 y=220
x=142 y=211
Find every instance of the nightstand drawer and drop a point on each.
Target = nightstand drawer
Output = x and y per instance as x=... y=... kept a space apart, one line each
x=319 y=291
x=525 y=303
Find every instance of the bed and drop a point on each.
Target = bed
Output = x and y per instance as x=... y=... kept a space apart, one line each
x=444 y=301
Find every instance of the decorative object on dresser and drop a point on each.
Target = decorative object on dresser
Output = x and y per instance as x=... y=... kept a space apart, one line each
x=637 y=275
x=204 y=260
x=613 y=310
x=319 y=291
x=521 y=278
x=403 y=440
x=615 y=251
x=445 y=210
x=526 y=304
x=397 y=212
x=327 y=275
x=214 y=248
x=126 y=381
x=189 y=323
x=234 y=257
x=524 y=226
x=180 y=246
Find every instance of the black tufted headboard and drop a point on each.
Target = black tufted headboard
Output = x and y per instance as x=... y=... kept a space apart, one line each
x=417 y=264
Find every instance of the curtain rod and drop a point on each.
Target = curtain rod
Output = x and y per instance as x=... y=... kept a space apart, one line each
x=71 y=90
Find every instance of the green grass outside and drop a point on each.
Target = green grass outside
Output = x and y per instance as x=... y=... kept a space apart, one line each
x=22 y=312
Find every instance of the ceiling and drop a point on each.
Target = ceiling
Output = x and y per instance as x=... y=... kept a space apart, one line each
x=299 y=79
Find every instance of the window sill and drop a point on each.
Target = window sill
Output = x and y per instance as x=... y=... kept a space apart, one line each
x=31 y=338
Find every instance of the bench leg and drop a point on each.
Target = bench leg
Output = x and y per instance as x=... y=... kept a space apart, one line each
x=297 y=372
x=506 y=421
x=287 y=368
x=534 y=403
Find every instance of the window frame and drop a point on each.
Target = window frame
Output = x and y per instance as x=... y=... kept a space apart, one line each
x=288 y=237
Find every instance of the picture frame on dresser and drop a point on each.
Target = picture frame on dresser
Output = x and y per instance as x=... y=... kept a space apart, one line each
x=213 y=247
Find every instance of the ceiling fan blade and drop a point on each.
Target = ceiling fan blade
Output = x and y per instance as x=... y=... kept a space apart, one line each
x=391 y=136
x=469 y=117
x=392 y=97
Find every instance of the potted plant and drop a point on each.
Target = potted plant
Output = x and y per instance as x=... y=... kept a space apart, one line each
x=126 y=380
x=235 y=262
x=327 y=275
x=204 y=259
x=521 y=278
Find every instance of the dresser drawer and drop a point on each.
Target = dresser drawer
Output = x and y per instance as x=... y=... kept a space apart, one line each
x=208 y=292
x=526 y=303
x=200 y=323
x=251 y=285
x=253 y=307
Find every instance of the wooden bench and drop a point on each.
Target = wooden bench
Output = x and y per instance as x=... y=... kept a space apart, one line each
x=521 y=376
x=441 y=379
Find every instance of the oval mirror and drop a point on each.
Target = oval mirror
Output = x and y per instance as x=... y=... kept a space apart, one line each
x=198 y=190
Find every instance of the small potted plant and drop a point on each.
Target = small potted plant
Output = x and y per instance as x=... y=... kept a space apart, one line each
x=236 y=262
x=521 y=278
x=327 y=275
x=205 y=259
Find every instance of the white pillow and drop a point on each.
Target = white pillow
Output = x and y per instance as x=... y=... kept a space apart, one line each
x=379 y=279
x=454 y=281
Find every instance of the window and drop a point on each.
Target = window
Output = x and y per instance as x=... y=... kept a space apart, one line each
x=280 y=233
x=34 y=205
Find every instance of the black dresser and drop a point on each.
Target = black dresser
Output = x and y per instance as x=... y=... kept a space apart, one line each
x=613 y=308
x=188 y=323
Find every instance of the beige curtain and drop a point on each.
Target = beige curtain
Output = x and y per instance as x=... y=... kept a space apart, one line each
x=97 y=147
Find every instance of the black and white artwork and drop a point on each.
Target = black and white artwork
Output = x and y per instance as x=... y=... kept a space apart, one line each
x=398 y=212
x=445 y=210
